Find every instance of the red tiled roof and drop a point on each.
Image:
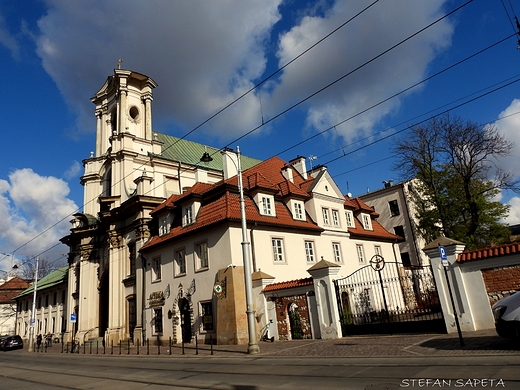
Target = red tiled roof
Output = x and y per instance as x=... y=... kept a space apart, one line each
x=486 y=253
x=378 y=231
x=198 y=188
x=363 y=206
x=12 y=288
x=227 y=207
x=289 y=284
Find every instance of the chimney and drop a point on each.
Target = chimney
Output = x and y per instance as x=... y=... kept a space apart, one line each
x=298 y=163
x=201 y=175
x=229 y=163
x=287 y=172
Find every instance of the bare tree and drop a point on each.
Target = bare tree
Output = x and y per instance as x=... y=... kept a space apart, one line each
x=455 y=160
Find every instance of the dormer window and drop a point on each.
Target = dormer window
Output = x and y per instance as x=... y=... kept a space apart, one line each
x=350 y=218
x=298 y=212
x=164 y=225
x=367 y=222
x=187 y=218
x=266 y=204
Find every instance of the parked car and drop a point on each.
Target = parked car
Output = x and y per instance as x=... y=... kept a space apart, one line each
x=11 y=342
x=507 y=316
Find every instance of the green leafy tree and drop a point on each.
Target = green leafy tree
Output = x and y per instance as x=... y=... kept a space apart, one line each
x=455 y=162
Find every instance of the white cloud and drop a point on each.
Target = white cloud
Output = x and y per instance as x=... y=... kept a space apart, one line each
x=378 y=29
x=7 y=40
x=514 y=212
x=29 y=205
x=205 y=54
x=73 y=170
x=508 y=126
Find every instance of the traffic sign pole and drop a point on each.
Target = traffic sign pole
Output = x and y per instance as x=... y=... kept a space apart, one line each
x=445 y=264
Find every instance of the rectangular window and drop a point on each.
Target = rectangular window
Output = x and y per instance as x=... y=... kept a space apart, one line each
x=360 y=253
x=325 y=213
x=336 y=250
x=367 y=223
x=202 y=255
x=156 y=269
x=207 y=316
x=158 y=320
x=131 y=259
x=180 y=262
x=309 y=251
x=399 y=231
x=277 y=244
x=350 y=218
x=335 y=217
x=298 y=211
x=266 y=206
x=188 y=215
x=164 y=226
x=405 y=259
x=394 y=208
x=377 y=250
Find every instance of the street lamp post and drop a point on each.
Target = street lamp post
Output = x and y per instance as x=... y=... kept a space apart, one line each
x=253 y=347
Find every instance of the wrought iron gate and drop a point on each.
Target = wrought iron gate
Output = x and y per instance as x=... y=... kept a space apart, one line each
x=388 y=298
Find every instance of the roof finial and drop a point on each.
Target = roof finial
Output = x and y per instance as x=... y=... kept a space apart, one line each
x=119 y=61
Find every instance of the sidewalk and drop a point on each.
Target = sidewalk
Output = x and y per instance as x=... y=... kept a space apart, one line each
x=484 y=342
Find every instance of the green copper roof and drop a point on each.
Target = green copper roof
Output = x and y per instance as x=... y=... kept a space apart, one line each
x=54 y=278
x=189 y=152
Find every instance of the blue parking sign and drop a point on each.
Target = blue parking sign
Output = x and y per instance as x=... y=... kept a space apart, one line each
x=443 y=254
x=73 y=317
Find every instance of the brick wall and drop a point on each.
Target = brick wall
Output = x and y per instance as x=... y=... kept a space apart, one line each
x=501 y=281
x=282 y=316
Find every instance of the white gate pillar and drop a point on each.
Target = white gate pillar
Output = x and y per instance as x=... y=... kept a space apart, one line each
x=467 y=287
x=323 y=274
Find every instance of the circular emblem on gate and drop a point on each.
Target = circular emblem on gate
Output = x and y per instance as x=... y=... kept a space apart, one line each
x=377 y=262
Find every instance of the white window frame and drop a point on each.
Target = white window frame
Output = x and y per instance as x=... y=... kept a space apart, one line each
x=164 y=225
x=335 y=218
x=178 y=266
x=267 y=207
x=188 y=215
x=156 y=269
x=367 y=221
x=298 y=211
x=325 y=215
x=278 y=250
x=349 y=215
x=360 y=253
x=336 y=252
x=202 y=261
x=310 y=253
x=377 y=250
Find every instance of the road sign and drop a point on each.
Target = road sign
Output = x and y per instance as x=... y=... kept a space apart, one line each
x=443 y=254
x=32 y=321
x=73 y=317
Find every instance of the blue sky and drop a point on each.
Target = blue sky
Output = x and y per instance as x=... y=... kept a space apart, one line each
x=56 y=54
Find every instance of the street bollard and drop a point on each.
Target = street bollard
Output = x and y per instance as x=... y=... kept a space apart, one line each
x=196 y=345
x=211 y=343
x=147 y=346
x=170 y=344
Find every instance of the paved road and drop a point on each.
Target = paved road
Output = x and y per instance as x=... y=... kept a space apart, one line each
x=365 y=363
